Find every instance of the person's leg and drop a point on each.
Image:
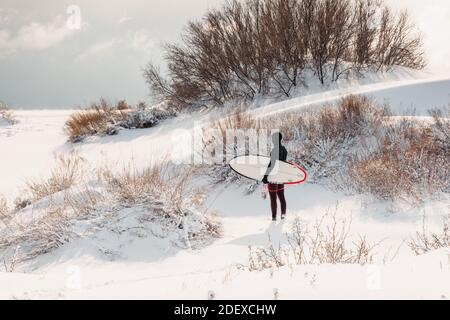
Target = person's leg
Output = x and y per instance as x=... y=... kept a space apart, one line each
x=282 y=201
x=273 y=200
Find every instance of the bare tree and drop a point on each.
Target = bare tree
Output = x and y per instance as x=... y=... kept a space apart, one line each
x=365 y=32
x=263 y=47
x=397 y=43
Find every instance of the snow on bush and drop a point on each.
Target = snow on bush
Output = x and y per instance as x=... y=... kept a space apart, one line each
x=441 y=126
x=4 y=208
x=426 y=241
x=6 y=115
x=327 y=241
x=103 y=118
x=321 y=140
x=356 y=145
x=129 y=204
x=67 y=172
x=20 y=242
x=173 y=203
x=318 y=140
x=408 y=163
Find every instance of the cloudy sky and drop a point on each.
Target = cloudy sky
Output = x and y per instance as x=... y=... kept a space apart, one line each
x=60 y=53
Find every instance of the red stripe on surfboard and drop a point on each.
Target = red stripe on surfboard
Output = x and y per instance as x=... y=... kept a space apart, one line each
x=302 y=170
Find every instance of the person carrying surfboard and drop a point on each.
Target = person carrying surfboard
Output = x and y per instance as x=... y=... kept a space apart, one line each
x=279 y=153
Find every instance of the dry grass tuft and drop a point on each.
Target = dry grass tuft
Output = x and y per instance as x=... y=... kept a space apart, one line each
x=169 y=195
x=426 y=241
x=68 y=171
x=409 y=161
x=96 y=120
x=326 y=242
x=162 y=199
x=239 y=120
x=7 y=114
x=104 y=118
x=25 y=241
x=352 y=117
x=171 y=201
x=4 y=208
x=441 y=119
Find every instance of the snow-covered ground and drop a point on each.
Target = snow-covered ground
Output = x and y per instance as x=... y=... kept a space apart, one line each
x=151 y=268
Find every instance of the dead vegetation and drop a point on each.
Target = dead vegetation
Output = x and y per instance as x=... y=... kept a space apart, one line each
x=441 y=126
x=67 y=172
x=43 y=226
x=410 y=152
x=356 y=145
x=105 y=118
x=251 y=48
x=162 y=201
x=426 y=241
x=6 y=114
x=21 y=242
x=99 y=119
x=4 y=208
x=327 y=241
x=167 y=192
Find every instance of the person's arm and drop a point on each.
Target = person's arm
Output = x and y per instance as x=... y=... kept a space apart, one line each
x=273 y=160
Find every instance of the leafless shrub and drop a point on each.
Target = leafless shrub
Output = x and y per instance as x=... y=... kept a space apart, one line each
x=411 y=153
x=323 y=243
x=132 y=185
x=22 y=242
x=22 y=239
x=21 y=203
x=103 y=118
x=6 y=213
x=162 y=199
x=4 y=209
x=47 y=226
x=168 y=195
x=396 y=42
x=354 y=143
x=365 y=32
x=6 y=114
x=441 y=128
x=239 y=120
x=319 y=140
x=144 y=117
x=265 y=47
x=12 y=262
x=267 y=258
x=328 y=243
x=426 y=241
x=325 y=138
x=122 y=105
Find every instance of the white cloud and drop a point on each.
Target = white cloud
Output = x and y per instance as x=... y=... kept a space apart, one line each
x=140 y=40
x=6 y=16
x=34 y=36
x=98 y=48
x=124 y=19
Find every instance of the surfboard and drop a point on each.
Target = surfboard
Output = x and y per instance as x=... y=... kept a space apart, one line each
x=254 y=168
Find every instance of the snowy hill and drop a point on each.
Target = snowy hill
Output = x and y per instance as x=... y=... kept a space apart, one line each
x=130 y=265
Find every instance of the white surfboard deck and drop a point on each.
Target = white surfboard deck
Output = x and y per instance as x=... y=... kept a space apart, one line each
x=255 y=167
